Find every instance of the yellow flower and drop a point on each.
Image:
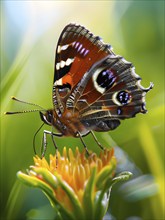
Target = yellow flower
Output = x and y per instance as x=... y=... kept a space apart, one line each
x=77 y=186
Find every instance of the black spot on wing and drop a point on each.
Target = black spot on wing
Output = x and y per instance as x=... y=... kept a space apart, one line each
x=62 y=72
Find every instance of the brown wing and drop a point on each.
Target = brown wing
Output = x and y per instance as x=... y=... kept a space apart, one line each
x=91 y=79
x=108 y=92
x=77 y=50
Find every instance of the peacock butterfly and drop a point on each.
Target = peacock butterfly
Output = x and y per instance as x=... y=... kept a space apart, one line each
x=93 y=88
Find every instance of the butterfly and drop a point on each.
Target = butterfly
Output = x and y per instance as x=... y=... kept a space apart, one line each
x=93 y=88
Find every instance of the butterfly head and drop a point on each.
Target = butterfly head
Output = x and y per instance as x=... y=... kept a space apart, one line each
x=47 y=117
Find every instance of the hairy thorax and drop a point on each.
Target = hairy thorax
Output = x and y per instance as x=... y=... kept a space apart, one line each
x=68 y=123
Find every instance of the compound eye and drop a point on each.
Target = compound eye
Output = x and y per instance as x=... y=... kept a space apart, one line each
x=46 y=118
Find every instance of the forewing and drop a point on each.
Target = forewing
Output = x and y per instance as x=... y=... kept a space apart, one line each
x=77 y=50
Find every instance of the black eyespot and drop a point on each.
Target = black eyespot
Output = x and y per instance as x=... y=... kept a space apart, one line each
x=106 y=79
x=123 y=97
x=61 y=72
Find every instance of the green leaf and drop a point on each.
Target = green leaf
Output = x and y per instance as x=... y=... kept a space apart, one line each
x=103 y=175
x=88 y=196
x=47 y=176
x=100 y=204
x=102 y=198
x=124 y=176
x=35 y=182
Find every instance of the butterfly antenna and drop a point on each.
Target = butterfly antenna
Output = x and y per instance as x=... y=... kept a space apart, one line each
x=24 y=111
x=28 y=103
x=20 y=112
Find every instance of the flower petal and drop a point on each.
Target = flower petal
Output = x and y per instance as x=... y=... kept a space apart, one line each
x=104 y=174
x=88 y=196
x=76 y=206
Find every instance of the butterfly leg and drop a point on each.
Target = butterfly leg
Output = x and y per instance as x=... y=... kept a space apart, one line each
x=102 y=148
x=59 y=135
x=44 y=142
x=86 y=149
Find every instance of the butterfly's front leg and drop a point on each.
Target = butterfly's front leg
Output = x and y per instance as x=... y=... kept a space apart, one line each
x=44 y=141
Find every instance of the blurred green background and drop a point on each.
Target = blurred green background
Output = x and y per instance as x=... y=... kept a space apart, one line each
x=29 y=33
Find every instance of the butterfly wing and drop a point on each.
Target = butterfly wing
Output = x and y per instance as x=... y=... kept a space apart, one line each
x=77 y=50
x=91 y=79
x=119 y=95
